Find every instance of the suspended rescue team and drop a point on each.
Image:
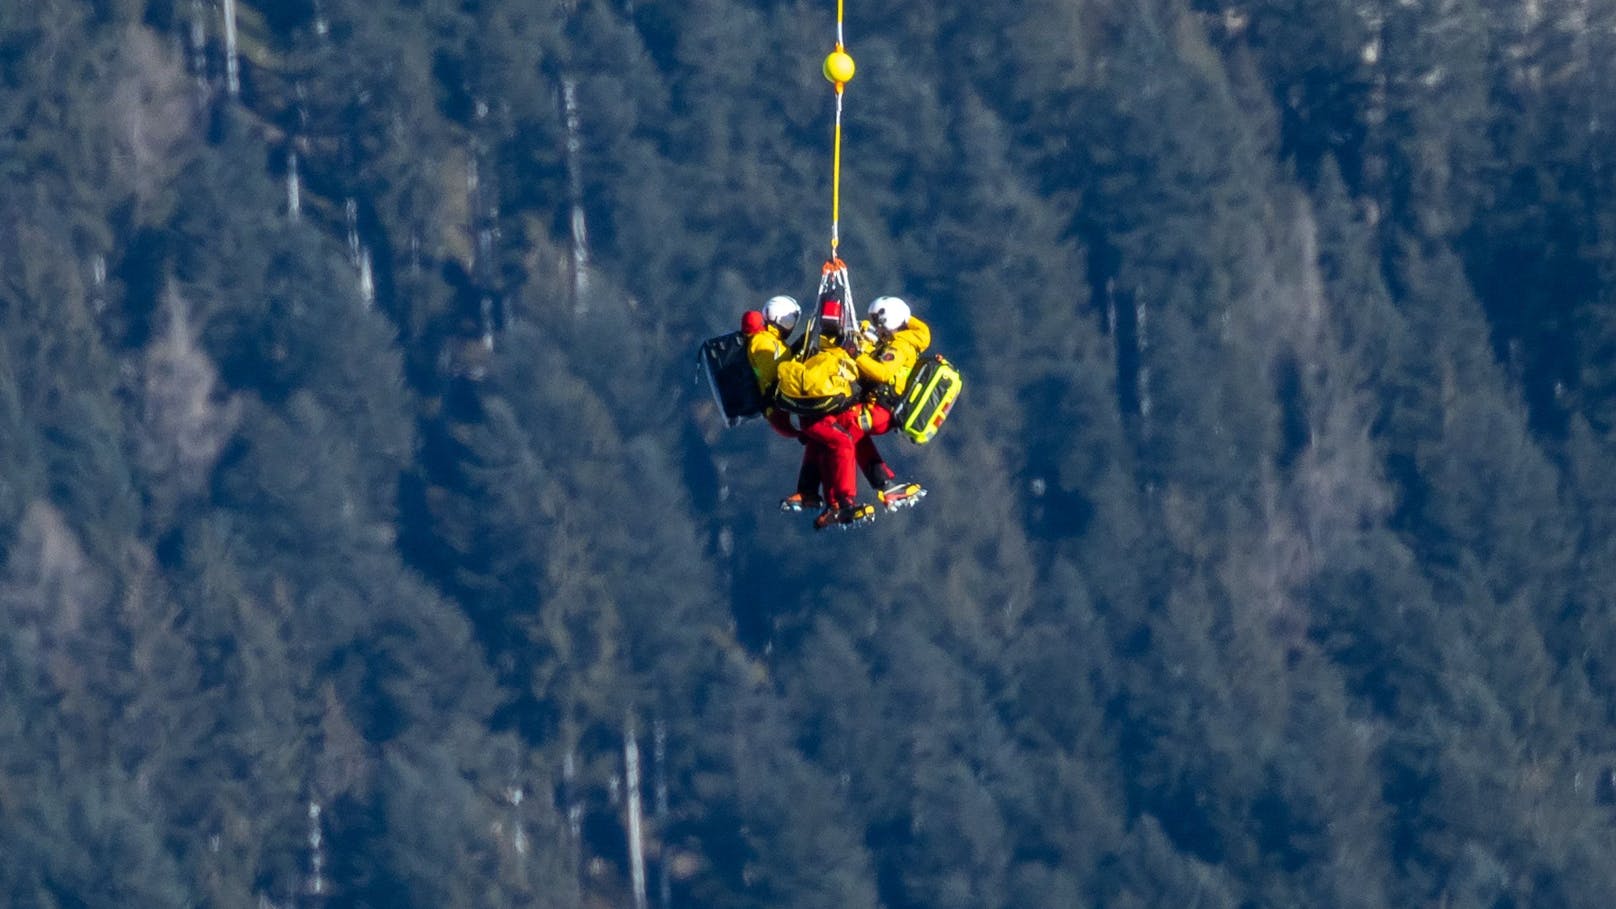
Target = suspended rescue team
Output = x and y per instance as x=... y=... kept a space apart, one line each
x=833 y=387
x=839 y=382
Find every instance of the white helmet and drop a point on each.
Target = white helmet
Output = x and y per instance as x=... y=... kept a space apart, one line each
x=782 y=312
x=889 y=313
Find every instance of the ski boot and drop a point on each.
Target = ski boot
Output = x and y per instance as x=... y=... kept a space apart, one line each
x=901 y=495
x=826 y=518
x=798 y=501
x=853 y=515
x=846 y=516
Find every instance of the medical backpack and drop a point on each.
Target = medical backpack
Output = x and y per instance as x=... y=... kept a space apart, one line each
x=934 y=383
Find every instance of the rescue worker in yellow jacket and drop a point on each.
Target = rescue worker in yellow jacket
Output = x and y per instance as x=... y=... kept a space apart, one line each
x=766 y=342
x=766 y=348
x=897 y=340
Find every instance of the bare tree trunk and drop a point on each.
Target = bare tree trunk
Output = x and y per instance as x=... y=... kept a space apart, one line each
x=483 y=204
x=515 y=796
x=294 y=192
x=350 y=214
x=1142 y=346
x=575 y=187
x=358 y=253
x=1110 y=307
x=660 y=755
x=1374 y=167
x=199 y=47
x=98 y=282
x=636 y=838
x=232 y=63
x=575 y=821
x=367 y=278
x=315 y=888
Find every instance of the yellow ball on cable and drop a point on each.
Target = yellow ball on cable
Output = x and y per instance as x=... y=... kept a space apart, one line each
x=839 y=67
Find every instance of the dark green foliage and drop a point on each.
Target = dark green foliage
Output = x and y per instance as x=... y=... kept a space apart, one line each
x=350 y=552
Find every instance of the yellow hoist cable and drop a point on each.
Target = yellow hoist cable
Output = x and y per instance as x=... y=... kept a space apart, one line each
x=838 y=69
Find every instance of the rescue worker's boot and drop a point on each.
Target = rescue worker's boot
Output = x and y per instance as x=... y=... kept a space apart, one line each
x=826 y=518
x=799 y=501
x=899 y=494
x=845 y=516
x=875 y=470
x=854 y=515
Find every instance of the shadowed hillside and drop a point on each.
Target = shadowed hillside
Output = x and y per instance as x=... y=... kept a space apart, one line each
x=368 y=540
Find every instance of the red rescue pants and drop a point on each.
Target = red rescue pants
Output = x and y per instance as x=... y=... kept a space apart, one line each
x=873 y=420
x=832 y=441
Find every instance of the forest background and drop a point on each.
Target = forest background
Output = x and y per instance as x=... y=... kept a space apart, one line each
x=368 y=540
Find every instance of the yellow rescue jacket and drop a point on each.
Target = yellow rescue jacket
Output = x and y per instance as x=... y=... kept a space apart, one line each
x=819 y=385
x=886 y=366
x=765 y=350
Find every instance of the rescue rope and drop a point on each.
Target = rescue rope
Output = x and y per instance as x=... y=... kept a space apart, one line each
x=833 y=281
x=839 y=70
x=836 y=179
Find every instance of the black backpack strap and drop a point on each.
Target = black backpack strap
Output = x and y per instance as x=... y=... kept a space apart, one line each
x=813 y=407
